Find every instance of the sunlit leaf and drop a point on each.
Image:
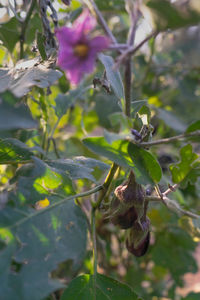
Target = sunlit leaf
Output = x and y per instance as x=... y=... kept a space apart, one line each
x=145 y=166
x=47 y=237
x=13 y=150
x=187 y=164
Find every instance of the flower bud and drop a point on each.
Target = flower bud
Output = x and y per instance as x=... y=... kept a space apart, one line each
x=138 y=238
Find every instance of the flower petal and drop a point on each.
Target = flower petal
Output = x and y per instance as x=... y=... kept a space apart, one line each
x=88 y=64
x=66 y=37
x=74 y=75
x=67 y=61
x=84 y=23
x=99 y=43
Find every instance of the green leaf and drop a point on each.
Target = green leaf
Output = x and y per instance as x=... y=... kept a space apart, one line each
x=105 y=106
x=38 y=180
x=13 y=115
x=148 y=169
x=77 y=168
x=136 y=106
x=105 y=288
x=192 y=296
x=40 y=44
x=193 y=127
x=9 y=33
x=167 y=15
x=113 y=76
x=125 y=154
x=181 y=170
x=65 y=101
x=46 y=238
x=13 y=150
x=174 y=250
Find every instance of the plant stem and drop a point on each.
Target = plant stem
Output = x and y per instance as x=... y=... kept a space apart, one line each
x=106 y=185
x=91 y=4
x=171 y=139
x=134 y=16
x=24 y=28
x=132 y=50
x=118 y=46
x=127 y=87
x=94 y=241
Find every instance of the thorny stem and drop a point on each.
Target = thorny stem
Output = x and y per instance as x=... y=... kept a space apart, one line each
x=24 y=28
x=171 y=139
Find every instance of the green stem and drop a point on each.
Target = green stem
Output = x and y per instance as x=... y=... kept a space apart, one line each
x=24 y=28
x=106 y=185
x=94 y=241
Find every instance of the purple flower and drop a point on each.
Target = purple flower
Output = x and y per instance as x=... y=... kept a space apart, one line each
x=77 y=49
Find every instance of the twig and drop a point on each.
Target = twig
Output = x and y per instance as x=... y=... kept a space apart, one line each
x=171 y=204
x=132 y=50
x=170 y=189
x=171 y=139
x=91 y=4
x=118 y=46
x=134 y=16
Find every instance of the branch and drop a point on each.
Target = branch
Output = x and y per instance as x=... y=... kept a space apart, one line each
x=91 y=4
x=132 y=50
x=171 y=204
x=118 y=46
x=171 y=139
